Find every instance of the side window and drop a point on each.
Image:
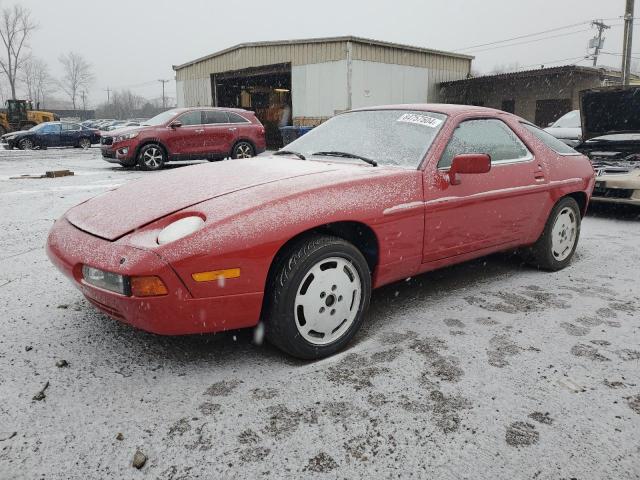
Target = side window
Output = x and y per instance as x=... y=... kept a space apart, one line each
x=70 y=127
x=54 y=128
x=191 y=118
x=235 y=118
x=550 y=141
x=215 y=116
x=489 y=136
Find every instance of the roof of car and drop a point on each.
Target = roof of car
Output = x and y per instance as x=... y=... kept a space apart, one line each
x=225 y=109
x=446 y=108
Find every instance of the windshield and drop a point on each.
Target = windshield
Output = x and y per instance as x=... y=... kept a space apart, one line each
x=569 y=120
x=161 y=118
x=389 y=137
x=40 y=126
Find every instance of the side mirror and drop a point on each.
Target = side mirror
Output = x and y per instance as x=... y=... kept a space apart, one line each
x=468 y=163
x=175 y=124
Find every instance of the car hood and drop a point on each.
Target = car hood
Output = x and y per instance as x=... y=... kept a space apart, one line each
x=136 y=204
x=17 y=134
x=609 y=110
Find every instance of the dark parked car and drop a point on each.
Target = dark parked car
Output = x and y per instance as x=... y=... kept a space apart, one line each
x=186 y=134
x=52 y=134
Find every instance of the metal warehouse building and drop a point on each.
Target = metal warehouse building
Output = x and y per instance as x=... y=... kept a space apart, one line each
x=304 y=82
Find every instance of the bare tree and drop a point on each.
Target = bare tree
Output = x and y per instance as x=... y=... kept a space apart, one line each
x=77 y=75
x=36 y=79
x=123 y=104
x=16 y=26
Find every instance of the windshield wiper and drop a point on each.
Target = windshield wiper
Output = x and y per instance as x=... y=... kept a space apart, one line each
x=348 y=155
x=289 y=152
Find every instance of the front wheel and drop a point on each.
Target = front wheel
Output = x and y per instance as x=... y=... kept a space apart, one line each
x=84 y=143
x=243 y=150
x=151 y=157
x=317 y=297
x=556 y=246
x=26 y=144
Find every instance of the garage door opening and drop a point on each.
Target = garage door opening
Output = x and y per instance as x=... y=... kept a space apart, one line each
x=264 y=90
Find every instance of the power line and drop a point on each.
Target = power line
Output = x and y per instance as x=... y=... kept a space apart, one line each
x=570 y=59
x=529 y=35
x=532 y=41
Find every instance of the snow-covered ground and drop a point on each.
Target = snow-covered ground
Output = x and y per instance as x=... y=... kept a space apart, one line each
x=484 y=370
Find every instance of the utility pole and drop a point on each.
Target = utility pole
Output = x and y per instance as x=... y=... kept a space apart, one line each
x=108 y=90
x=84 y=101
x=598 y=40
x=163 y=97
x=627 y=42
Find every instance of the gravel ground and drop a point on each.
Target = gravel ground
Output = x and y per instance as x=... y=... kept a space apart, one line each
x=484 y=370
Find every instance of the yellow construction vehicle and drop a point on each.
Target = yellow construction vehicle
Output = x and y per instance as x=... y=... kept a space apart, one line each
x=19 y=115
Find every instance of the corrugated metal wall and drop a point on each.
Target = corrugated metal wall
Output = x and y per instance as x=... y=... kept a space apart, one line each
x=195 y=79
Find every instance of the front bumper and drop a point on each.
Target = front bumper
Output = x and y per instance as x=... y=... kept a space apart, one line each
x=621 y=189
x=177 y=313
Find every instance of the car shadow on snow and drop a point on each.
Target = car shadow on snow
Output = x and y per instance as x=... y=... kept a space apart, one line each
x=614 y=211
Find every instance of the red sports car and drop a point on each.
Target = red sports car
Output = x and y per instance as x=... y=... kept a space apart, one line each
x=299 y=240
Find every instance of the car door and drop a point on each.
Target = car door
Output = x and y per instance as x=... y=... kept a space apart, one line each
x=187 y=140
x=49 y=135
x=219 y=132
x=70 y=134
x=484 y=211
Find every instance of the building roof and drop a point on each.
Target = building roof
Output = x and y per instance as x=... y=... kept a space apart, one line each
x=324 y=40
x=538 y=72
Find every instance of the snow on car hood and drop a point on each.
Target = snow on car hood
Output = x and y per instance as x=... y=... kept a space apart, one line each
x=121 y=211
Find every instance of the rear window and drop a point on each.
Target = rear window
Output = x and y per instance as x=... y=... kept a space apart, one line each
x=215 y=116
x=235 y=118
x=550 y=141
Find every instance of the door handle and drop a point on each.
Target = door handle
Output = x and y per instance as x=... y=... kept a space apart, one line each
x=200 y=130
x=232 y=129
x=539 y=173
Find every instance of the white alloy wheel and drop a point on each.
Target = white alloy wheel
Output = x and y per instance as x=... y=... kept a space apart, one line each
x=563 y=234
x=85 y=143
x=152 y=157
x=244 y=150
x=327 y=300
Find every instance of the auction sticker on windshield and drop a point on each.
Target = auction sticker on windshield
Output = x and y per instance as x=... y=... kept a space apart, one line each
x=420 y=120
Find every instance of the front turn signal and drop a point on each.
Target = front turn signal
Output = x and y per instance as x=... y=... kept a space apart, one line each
x=148 y=287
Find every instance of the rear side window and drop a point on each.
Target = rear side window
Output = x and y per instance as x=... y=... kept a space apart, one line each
x=70 y=127
x=215 y=116
x=489 y=136
x=550 y=141
x=235 y=118
x=191 y=118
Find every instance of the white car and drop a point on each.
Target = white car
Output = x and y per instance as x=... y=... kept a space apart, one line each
x=567 y=128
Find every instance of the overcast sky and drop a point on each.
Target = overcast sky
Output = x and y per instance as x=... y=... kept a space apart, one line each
x=133 y=43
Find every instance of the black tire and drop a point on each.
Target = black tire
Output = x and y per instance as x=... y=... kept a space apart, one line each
x=542 y=254
x=243 y=150
x=279 y=313
x=151 y=157
x=26 y=144
x=84 y=143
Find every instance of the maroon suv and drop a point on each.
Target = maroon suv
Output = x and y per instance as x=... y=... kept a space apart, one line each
x=186 y=134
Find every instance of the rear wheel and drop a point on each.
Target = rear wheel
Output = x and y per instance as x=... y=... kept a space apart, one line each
x=243 y=150
x=317 y=297
x=26 y=144
x=151 y=157
x=84 y=143
x=557 y=244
